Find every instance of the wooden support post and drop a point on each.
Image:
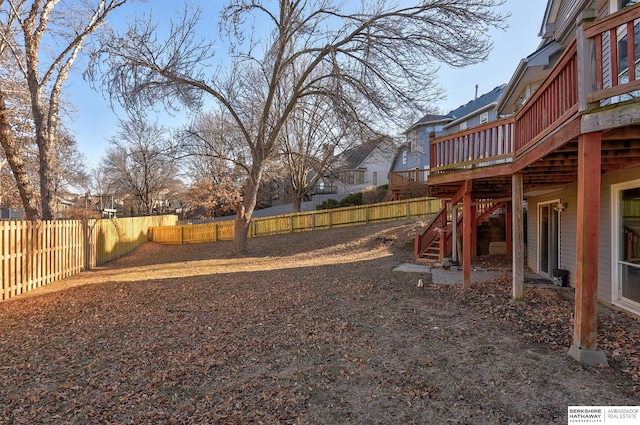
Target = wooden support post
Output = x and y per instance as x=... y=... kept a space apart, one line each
x=586 y=54
x=508 y=220
x=454 y=234
x=467 y=231
x=518 y=236
x=584 y=348
x=474 y=232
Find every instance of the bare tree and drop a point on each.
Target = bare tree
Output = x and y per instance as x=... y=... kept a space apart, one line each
x=141 y=162
x=308 y=143
x=44 y=39
x=69 y=169
x=373 y=62
x=15 y=128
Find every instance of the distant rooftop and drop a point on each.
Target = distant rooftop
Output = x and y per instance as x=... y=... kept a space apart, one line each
x=464 y=110
x=477 y=103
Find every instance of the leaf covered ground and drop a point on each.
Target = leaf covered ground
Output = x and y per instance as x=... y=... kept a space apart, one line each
x=308 y=328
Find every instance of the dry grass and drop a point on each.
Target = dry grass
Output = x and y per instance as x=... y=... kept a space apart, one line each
x=309 y=328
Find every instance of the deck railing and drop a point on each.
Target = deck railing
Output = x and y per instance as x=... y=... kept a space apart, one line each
x=615 y=50
x=612 y=43
x=408 y=177
x=488 y=144
x=552 y=104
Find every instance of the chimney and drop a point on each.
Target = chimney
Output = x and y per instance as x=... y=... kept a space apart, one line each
x=476 y=91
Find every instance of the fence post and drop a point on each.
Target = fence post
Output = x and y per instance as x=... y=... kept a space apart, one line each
x=408 y=210
x=5 y=261
x=313 y=221
x=366 y=214
x=291 y=223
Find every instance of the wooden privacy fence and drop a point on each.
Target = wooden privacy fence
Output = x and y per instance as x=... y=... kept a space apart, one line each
x=33 y=254
x=298 y=222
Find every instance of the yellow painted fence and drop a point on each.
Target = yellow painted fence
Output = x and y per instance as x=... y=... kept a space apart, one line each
x=33 y=254
x=299 y=222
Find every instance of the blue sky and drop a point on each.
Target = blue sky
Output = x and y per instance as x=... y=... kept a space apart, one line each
x=94 y=123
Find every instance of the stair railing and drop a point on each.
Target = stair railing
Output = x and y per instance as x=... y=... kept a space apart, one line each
x=438 y=225
x=435 y=227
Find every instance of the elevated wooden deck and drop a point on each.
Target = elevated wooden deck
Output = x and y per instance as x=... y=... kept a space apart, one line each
x=585 y=92
x=583 y=121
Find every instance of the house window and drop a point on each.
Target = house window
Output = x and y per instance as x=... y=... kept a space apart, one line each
x=463 y=126
x=623 y=55
x=626 y=245
x=352 y=177
x=627 y=3
x=484 y=118
x=375 y=178
x=404 y=157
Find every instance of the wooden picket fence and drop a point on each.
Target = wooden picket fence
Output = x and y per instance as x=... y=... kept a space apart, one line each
x=298 y=222
x=33 y=254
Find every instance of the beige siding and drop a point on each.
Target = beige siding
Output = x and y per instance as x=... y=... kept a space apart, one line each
x=567 y=229
x=568 y=226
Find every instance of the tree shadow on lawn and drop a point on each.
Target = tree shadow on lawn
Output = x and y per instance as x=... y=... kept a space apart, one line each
x=289 y=244
x=331 y=343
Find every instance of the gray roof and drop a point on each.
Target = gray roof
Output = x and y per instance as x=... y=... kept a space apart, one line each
x=430 y=119
x=464 y=110
x=477 y=103
x=352 y=158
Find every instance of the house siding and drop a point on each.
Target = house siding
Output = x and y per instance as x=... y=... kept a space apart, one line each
x=472 y=121
x=568 y=228
x=379 y=161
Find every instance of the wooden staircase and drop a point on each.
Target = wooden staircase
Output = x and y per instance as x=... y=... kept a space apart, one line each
x=433 y=253
x=435 y=243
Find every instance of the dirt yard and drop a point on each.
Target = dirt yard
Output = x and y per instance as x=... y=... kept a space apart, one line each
x=309 y=328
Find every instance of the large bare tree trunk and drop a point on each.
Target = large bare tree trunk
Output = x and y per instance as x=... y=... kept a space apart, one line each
x=17 y=164
x=47 y=177
x=297 y=204
x=241 y=231
x=245 y=210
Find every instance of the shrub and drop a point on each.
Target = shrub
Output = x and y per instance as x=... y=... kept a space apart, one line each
x=349 y=201
x=327 y=205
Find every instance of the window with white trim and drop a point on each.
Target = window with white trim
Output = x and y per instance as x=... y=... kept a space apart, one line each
x=625 y=203
x=463 y=126
x=484 y=117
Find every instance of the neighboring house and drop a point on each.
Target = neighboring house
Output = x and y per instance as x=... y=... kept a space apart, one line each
x=569 y=147
x=62 y=204
x=362 y=167
x=414 y=154
x=411 y=163
x=476 y=112
x=11 y=214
